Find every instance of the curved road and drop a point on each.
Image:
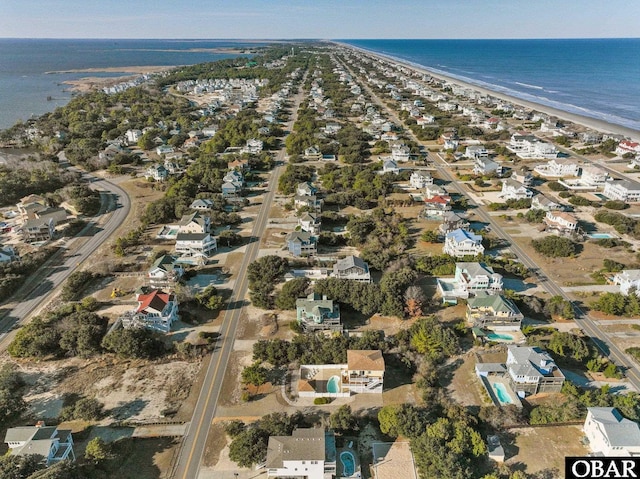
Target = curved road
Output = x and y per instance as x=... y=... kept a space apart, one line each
x=115 y=203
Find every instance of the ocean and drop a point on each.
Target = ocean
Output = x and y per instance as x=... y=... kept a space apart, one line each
x=25 y=84
x=598 y=78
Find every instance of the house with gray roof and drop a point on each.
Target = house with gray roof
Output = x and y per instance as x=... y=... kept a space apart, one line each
x=309 y=453
x=513 y=190
x=317 y=312
x=470 y=279
x=48 y=442
x=306 y=189
x=352 y=268
x=301 y=243
x=202 y=204
x=541 y=202
x=310 y=222
x=532 y=370
x=493 y=311
x=452 y=221
x=611 y=434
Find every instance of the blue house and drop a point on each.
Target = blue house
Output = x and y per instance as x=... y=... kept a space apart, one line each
x=301 y=243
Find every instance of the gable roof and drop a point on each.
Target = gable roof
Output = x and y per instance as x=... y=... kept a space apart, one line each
x=165 y=262
x=156 y=300
x=461 y=235
x=350 y=262
x=620 y=431
x=496 y=302
x=365 y=360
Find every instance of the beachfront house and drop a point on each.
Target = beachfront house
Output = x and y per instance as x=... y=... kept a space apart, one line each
x=628 y=146
x=50 y=444
x=541 y=202
x=530 y=147
x=305 y=189
x=560 y=221
x=156 y=173
x=390 y=166
x=202 y=204
x=452 y=221
x=313 y=153
x=420 y=179
x=594 y=176
x=301 y=243
x=436 y=206
x=558 y=168
x=486 y=166
x=459 y=243
x=522 y=175
x=493 y=311
x=156 y=310
x=624 y=190
x=195 y=246
x=628 y=280
x=310 y=222
x=165 y=271
x=309 y=453
x=512 y=190
x=316 y=312
x=611 y=434
x=352 y=268
x=532 y=370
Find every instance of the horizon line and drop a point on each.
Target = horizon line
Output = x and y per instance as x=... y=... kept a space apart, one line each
x=312 y=39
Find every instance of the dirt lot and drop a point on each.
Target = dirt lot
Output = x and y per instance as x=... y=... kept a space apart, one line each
x=129 y=390
x=523 y=446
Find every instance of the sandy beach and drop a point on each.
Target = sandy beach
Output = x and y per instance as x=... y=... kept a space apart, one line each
x=587 y=122
x=89 y=83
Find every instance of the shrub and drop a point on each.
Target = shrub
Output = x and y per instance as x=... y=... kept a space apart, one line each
x=615 y=205
x=555 y=246
x=321 y=401
x=555 y=186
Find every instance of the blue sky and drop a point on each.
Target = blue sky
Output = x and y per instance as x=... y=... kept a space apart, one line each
x=325 y=19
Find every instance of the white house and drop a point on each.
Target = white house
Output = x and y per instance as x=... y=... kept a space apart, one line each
x=530 y=147
x=313 y=153
x=306 y=189
x=512 y=190
x=352 y=268
x=628 y=146
x=390 y=166
x=306 y=454
x=50 y=443
x=460 y=243
x=541 y=202
x=164 y=271
x=628 y=279
x=253 y=146
x=202 y=204
x=623 y=190
x=558 y=167
x=156 y=310
x=486 y=166
x=522 y=175
x=400 y=153
x=164 y=149
x=198 y=246
x=610 y=434
x=157 y=173
x=419 y=180
x=532 y=371
x=560 y=221
x=593 y=176
x=133 y=136
x=476 y=151
x=470 y=278
x=310 y=222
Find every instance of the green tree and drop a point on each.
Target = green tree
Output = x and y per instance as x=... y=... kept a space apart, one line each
x=255 y=374
x=96 y=450
x=555 y=246
x=249 y=447
x=291 y=291
x=136 y=343
x=342 y=420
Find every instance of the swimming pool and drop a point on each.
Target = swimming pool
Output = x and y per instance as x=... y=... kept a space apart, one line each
x=348 y=463
x=496 y=336
x=333 y=384
x=502 y=393
x=601 y=236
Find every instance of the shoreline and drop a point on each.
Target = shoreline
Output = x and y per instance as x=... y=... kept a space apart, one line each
x=129 y=69
x=585 y=121
x=87 y=84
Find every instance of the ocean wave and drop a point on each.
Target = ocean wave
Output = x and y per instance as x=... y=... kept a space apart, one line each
x=526 y=85
x=523 y=95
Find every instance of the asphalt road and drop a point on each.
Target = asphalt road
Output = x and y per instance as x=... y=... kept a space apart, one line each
x=192 y=449
x=583 y=320
x=116 y=203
